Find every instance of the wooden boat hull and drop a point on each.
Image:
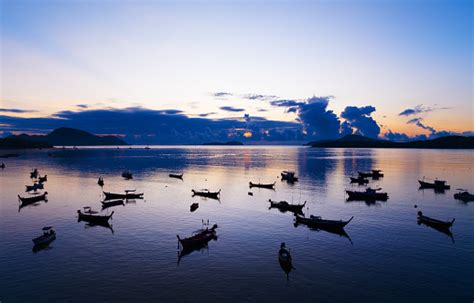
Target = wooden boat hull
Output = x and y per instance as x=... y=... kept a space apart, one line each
x=262 y=185
x=434 y=222
x=112 y=196
x=321 y=222
x=44 y=239
x=363 y=196
x=176 y=176
x=29 y=200
x=205 y=194
x=424 y=184
x=464 y=196
x=285 y=206
x=95 y=219
x=198 y=240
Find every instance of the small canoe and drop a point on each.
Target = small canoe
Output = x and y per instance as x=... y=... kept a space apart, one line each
x=464 y=196
x=194 y=206
x=359 y=180
x=285 y=206
x=127 y=175
x=202 y=237
x=285 y=260
x=127 y=195
x=262 y=185
x=207 y=194
x=91 y=217
x=368 y=195
x=34 y=187
x=318 y=221
x=437 y=184
x=47 y=237
x=434 y=222
x=33 y=199
x=176 y=176
x=288 y=176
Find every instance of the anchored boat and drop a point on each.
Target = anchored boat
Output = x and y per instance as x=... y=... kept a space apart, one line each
x=176 y=176
x=369 y=194
x=437 y=184
x=129 y=194
x=285 y=260
x=262 y=185
x=201 y=237
x=207 y=194
x=47 y=237
x=318 y=221
x=434 y=222
x=91 y=216
x=464 y=196
x=33 y=199
x=285 y=206
x=288 y=176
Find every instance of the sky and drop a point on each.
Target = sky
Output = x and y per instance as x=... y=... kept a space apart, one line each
x=276 y=71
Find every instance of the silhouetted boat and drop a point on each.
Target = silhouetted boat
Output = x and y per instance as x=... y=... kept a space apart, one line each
x=33 y=199
x=285 y=260
x=43 y=179
x=464 y=196
x=107 y=204
x=177 y=176
x=207 y=194
x=147 y=147
x=359 y=180
x=368 y=195
x=262 y=185
x=364 y=174
x=329 y=229
x=434 y=222
x=437 y=184
x=91 y=216
x=377 y=173
x=34 y=174
x=127 y=175
x=193 y=207
x=318 y=221
x=129 y=194
x=200 y=238
x=100 y=182
x=47 y=237
x=288 y=176
x=285 y=206
x=34 y=187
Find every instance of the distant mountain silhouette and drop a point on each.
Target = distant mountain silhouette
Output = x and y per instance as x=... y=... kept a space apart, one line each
x=451 y=142
x=224 y=143
x=59 y=137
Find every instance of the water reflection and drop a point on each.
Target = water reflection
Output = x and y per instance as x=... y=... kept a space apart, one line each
x=332 y=230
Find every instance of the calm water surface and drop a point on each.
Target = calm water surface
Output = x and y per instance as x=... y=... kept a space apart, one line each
x=388 y=258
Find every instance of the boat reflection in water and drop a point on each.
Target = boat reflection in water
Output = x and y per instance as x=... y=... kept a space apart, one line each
x=337 y=230
x=105 y=224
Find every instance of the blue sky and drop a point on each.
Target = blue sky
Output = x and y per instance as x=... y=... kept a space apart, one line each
x=156 y=55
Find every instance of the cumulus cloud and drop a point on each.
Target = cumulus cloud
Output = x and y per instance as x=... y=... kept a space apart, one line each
x=16 y=110
x=359 y=119
x=232 y=109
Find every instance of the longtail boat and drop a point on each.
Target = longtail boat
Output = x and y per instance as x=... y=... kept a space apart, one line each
x=47 y=237
x=288 y=176
x=200 y=238
x=91 y=216
x=207 y=194
x=464 y=196
x=262 y=185
x=368 y=195
x=359 y=180
x=129 y=194
x=285 y=206
x=127 y=175
x=318 y=221
x=34 y=187
x=434 y=222
x=437 y=184
x=176 y=176
x=285 y=260
x=33 y=199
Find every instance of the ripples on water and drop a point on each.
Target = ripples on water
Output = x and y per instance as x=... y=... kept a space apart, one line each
x=390 y=259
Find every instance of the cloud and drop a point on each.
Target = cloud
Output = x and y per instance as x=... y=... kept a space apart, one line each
x=16 y=110
x=221 y=94
x=419 y=109
x=359 y=119
x=82 y=105
x=289 y=103
x=259 y=97
x=232 y=109
x=207 y=114
x=317 y=120
x=144 y=126
x=418 y=122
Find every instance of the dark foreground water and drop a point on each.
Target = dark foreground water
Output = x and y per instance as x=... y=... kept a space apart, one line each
x=385 y=257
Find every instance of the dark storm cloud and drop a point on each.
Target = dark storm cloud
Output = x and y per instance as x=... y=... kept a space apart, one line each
x=232 y=109
x=16 y=110
x=140 y=125
x=360 y=120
